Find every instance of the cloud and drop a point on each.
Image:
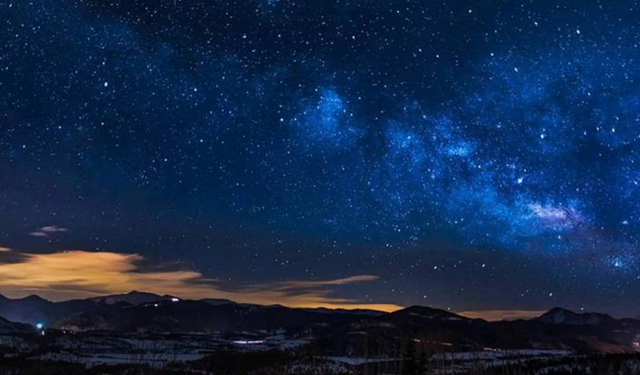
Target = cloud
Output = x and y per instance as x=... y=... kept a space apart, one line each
x=81 y=274
x=292 y=285
x=497 y=315
x=4 y=250
x=48 y=230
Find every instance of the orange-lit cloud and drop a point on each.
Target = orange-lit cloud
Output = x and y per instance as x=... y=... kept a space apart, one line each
x=81 y=274
x=497 y=315
x=48 y=230
x=315 y=284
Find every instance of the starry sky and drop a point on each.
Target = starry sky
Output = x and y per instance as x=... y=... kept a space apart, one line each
x=468 y=155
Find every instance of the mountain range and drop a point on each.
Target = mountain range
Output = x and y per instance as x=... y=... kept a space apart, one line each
x=146 y=312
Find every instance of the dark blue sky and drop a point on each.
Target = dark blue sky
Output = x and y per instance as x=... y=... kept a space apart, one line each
x=472 y=155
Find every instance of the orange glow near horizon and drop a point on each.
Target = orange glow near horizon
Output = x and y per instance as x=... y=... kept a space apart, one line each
x=81 y=274
x=498 y=315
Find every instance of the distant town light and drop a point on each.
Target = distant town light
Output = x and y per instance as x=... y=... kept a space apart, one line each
x=174 y=299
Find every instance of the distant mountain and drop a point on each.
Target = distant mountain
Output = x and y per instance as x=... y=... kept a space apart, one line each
x=562 y=316
x=147 y=312
x=218 y=301
x=558 y=329
x=200 y=316
x=363 y=312
x=7 y=327
x=30 y=309
x=34 y=309
x=133 y=298
x=422 y=312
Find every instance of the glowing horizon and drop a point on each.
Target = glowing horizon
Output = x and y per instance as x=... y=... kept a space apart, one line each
x=81 y=274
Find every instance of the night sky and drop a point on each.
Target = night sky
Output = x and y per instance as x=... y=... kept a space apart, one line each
x=469 y=155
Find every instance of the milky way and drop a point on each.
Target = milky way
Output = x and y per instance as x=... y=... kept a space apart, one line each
x=473 y=155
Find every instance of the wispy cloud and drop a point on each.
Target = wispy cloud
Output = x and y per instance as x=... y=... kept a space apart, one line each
x=79 y=274
x=497 y=315
x=300 y=286
x=344 y=281
x=48 y=231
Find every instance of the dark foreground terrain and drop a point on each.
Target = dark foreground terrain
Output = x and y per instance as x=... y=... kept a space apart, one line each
x=140 y=333
x=296 y=362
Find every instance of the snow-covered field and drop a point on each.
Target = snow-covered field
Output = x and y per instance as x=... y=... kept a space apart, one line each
x=151 y=359
x=493 y=354
x=356 y=361
x=92 y=349
x=97 y=348
x=457 y=362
